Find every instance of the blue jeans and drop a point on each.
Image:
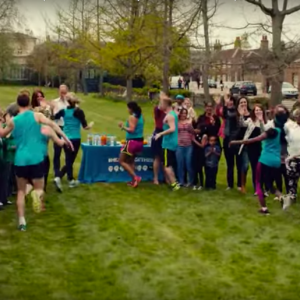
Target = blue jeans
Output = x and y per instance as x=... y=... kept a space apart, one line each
x=184 y=162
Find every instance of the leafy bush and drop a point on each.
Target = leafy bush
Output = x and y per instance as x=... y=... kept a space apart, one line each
x=113 y=88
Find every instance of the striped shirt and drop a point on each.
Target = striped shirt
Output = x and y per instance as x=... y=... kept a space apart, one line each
x=185 y=134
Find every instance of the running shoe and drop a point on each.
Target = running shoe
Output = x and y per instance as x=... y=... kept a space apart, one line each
x=200 y=188
x=136 y=181
x=73 y=183
x=58 y=185
x=195 y=188
x=36 y=202
x=22 y=227
x=286 y=201
x=130 y=183
x=1 y=205
x=264 y=211
x=228 y=188
x=176 y=187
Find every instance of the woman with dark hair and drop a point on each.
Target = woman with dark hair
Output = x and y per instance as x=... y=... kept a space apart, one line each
x=284 y=145
x=268 y=168
x=254 y=126
x=186 y=137
x=230 y=131
x=243 y=113
x=134 y=128
x=209 y=122
x=74 y=119
x=39 y=104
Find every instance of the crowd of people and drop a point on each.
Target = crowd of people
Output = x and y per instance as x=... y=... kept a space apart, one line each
x=190 y=147
x=25 y=130
x=185 y=146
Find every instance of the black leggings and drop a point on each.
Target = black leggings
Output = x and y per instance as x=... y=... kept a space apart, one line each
x=198 y=166
x=70 y=159
x=46 y=170
x=266 y=175
x=232 y=159
x=253 y=159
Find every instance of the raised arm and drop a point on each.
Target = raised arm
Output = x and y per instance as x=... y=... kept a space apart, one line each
x=48 y=131
x=79 y=114
x=7 y=130
x=171 y=123
x=40 y=118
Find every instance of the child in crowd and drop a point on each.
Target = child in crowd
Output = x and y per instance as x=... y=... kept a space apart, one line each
x=212 y=157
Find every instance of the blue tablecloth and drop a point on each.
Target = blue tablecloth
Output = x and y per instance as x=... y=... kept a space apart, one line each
x=101 y=164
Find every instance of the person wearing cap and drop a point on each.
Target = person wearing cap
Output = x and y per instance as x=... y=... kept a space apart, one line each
x=73 y=118
x=179 y=103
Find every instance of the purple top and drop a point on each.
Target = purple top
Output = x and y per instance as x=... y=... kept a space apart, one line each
x=159 y=116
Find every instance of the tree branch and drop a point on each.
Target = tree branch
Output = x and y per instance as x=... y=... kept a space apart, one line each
x=258 y=3
x=290 y=10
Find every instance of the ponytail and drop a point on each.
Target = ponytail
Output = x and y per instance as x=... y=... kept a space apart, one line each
x=136 y=109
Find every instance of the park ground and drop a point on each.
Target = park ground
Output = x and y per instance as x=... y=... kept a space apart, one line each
x=110 y=242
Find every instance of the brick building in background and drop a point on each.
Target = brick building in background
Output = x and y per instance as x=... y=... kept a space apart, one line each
x=238 y=64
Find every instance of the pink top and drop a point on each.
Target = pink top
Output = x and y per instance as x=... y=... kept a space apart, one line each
x=185 y=134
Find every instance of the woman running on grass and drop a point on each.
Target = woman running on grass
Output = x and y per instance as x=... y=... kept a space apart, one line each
x=26 y=128
x=268 y=167
x=74 y=119
x=134 y=128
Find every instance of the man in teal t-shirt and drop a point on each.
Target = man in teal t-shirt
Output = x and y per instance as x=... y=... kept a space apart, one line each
x=169 y=142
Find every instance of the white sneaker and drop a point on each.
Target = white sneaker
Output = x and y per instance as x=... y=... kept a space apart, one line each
x=239 y=189
x=200 y=188
x=228 y=188
x=194 y=188
x=286 y=201
x=57 y=182
x=73 y=183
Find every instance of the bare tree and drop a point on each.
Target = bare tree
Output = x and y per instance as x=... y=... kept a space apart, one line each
x=177 y=24
x=278 y=58
x=207 y=14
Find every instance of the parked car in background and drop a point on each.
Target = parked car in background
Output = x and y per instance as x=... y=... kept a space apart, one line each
x=244 y=88
x=212 y=84
x=174 y=82
x=288 y=91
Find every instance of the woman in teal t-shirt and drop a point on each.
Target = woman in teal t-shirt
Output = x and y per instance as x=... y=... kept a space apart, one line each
x=74 y=119
x=268 y=168
x=134 y=128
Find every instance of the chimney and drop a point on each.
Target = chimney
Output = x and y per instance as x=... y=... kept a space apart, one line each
x=264 y=43
x=237 y=43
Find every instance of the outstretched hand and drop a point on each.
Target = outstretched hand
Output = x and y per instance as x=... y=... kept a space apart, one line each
x=233 y=143
x=157 y=136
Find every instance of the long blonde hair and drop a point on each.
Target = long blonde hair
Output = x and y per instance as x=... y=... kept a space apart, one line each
x=72 y=99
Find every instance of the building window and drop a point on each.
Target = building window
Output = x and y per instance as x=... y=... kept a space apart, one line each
x=295 y=80
x=19 y=73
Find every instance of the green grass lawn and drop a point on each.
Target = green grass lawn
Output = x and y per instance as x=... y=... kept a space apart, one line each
x=110 y=242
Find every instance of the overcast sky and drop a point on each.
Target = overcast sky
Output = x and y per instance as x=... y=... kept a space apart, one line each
x=231 y=14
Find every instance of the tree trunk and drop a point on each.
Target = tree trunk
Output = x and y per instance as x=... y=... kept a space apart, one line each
x=101 y=90
x=168 y=21
x=207 y=50
x=128 y=88
x=83 y=81
x=278 y=64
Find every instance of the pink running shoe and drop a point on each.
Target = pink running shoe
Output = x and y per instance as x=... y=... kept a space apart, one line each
x=136 y=181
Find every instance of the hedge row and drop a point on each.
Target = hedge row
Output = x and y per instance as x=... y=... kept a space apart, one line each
x=142 y=94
